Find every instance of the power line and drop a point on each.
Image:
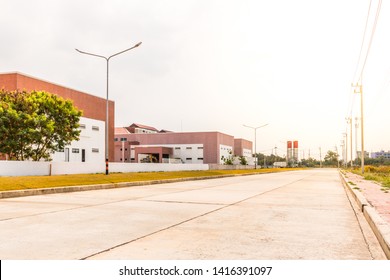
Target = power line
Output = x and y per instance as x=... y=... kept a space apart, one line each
x=371 y=38
x=364 y=38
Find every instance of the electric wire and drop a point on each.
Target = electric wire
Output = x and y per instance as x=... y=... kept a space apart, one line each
x=359 y=79
x=364 y=38
x=371 y=39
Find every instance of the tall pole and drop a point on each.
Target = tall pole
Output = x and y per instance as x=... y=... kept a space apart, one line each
x=107 y=126
x=362 y=125
x=356 y=135
x=107 y=75
x=255 y=129
x=349 y=121
x=350 y=135
x=320 y=158
x=342 y=149
x=346 y=149
x=359 y=89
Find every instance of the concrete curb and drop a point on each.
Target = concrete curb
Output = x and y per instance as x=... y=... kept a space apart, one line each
x=43 y=191
x=380 y=228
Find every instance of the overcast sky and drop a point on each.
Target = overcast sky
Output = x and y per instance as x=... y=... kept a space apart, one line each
x=213 y=65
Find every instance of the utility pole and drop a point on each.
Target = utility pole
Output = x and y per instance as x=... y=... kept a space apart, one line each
x=349 y=121
x=359 y=89
x=342 y=149
x=346 y=150
x=320 y=159
x=356 y=136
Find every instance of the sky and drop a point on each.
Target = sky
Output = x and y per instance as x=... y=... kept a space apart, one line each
x=214 y=65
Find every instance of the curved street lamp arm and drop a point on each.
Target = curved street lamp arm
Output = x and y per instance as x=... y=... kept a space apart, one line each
x=133 y=47
x=92 y=54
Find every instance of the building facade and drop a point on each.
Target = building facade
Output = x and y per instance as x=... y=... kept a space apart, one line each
x=381 y=154
x=178 y=147
x=91 y=146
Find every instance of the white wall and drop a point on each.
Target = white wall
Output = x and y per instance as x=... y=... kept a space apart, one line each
x=181 y=151
x=29 y=168
x=154 y=167
x=60 y=168
x=24 y=168
x=89 y=139
x=224 y=151
x=247 y=153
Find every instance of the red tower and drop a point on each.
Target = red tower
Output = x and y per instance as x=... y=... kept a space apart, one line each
x=295 y=152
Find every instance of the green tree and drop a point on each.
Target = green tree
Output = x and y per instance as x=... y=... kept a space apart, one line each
x=331 y=158
x=229 y=160
x=243 y=160
x=33 y=125
x=310 y=162
x=16 y=125
x=269 y=160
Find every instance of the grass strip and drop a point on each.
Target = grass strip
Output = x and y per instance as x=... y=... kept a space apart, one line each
x=38 y=182
x=380 y=174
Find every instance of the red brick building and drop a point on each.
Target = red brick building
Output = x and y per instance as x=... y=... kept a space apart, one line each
x=178 y=147
x=93 y=107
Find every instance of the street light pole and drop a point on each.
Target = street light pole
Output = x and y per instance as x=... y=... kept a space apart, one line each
x=255 y=128
x=107 y=62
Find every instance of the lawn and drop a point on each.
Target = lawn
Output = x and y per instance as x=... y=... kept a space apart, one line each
x=35 y=182
x=380 y=174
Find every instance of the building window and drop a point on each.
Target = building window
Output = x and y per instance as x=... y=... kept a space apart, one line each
x=188 y=158
x=96 y=128
x=60 y=150
x=189 y=148
x=75 y=151
x=132 y=158
x=200 y=148
x=177 y=148
x=95 y=150
x=123 y=139
x=116 y=139
x=83 y=126
x=200 y=158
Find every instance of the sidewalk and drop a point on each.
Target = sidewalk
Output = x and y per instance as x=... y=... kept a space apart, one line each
x=375 y=205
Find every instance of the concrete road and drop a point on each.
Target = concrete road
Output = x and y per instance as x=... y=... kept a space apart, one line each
x=290 y=215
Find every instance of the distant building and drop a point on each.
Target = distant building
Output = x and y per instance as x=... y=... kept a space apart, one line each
x=91 y=146
x=176 y=147
x=381 y=154
x=139 y=128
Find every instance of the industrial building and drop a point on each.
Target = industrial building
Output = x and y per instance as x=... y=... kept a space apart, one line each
x=91 y=146
x=292 y=152
x=380 y=154
x=147 y=144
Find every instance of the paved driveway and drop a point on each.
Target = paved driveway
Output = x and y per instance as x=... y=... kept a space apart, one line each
x=290 y=215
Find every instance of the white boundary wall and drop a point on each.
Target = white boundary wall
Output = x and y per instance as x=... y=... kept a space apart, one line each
x=29 y=168
x=154 y=167
x=24 y=168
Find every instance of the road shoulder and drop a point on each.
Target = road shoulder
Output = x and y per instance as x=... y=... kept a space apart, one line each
x=372 y=204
